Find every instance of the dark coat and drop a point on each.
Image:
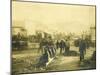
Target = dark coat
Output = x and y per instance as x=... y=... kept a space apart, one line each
x=62 y=44
x=82 y=45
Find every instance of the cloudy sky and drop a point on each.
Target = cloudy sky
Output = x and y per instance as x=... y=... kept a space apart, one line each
x=53 y=17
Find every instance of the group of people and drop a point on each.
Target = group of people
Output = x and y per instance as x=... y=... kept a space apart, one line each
x=49 y=48
x=47 y=45
x=62 y=45
x=52 y=46
x=65 y=47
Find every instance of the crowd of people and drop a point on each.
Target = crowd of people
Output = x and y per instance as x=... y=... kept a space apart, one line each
x=51 y=47
x=48 y=45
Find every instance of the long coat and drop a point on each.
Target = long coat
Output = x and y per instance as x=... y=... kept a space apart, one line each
x=82 y=48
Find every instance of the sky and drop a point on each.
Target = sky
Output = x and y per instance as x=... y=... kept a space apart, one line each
x=53 y=17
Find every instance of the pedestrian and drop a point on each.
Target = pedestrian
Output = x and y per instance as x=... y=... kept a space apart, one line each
x=43 y=60
x=57 y=44
x=51 y=47
x=82 y=49
x=67 y=47
x=41 y=46
x=18 y=42
x=62 y=46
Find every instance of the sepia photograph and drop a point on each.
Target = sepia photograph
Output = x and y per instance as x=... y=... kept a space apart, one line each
x=52 y=37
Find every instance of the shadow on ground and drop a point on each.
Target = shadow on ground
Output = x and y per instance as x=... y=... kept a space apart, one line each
x=71 y=53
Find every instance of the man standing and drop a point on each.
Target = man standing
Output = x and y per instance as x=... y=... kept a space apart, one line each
x=57 y=44
x=62 y=46
x=82 y=48
x=67 y=47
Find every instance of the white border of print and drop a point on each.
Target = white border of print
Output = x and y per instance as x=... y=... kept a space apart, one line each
x=5 y=37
